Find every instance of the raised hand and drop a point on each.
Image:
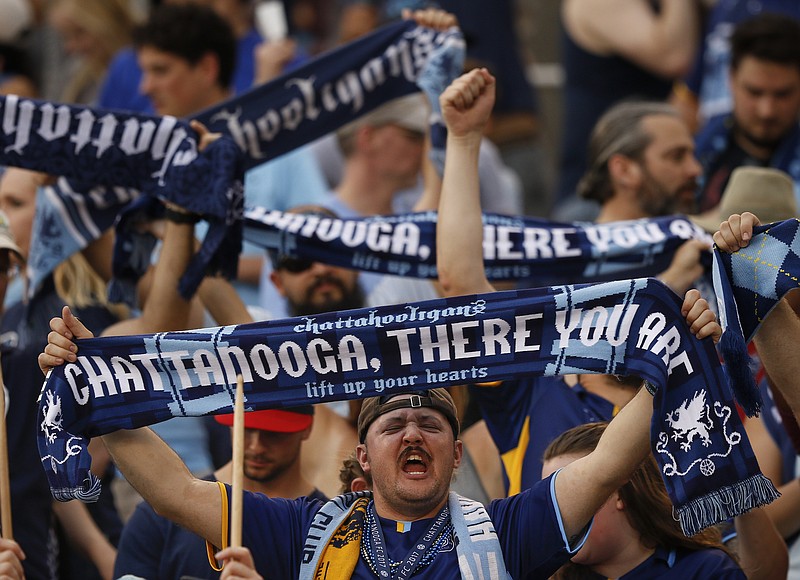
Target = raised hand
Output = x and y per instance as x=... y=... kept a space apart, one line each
x=60 y=346
x=700 y=319
x=467 y=103
x=735 y=232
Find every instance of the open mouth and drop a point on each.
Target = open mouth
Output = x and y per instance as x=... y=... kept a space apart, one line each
x=415 y=463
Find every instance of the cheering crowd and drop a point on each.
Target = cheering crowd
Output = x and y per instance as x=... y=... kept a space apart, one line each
x=437 y=384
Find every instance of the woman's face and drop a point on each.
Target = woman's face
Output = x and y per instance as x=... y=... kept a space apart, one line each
x=18 y=201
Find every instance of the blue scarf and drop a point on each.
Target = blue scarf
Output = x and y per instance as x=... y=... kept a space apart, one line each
x=514 y=248
x=101 y=151
x=748 y=284
x=624 y=327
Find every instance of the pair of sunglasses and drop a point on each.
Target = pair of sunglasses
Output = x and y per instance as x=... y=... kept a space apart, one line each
x=294 y=265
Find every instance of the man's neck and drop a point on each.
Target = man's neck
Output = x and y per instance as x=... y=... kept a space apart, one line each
x=409 y=513
x=365 y=193
x=619 y=208
x=289 y=484
x=761 y=153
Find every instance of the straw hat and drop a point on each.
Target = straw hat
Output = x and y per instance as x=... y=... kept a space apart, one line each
x=763 y=191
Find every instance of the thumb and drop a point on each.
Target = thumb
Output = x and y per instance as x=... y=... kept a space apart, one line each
x=74 y=325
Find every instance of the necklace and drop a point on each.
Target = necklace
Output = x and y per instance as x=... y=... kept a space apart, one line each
x=421 y=556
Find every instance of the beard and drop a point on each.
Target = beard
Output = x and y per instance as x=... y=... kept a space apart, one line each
x=657 y=201
x=349 y=298
x=768 y=143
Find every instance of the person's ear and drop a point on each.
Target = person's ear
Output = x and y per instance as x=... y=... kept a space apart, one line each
x=363 y=457
x=458 y=453
x=277 y=281
x=624 y=171
x=208 y=65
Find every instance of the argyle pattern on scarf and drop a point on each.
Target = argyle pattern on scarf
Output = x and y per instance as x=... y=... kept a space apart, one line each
x=748 y=284
x=629 y=327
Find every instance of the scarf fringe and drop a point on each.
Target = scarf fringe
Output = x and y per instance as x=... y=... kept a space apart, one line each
x=725 y=503
x=89 y=492
x=737 y=365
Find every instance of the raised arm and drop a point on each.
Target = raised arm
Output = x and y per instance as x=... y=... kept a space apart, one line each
x=466 y=106
x=584 y=485
x=151 y=467
x=780 y=328
x=663 y=42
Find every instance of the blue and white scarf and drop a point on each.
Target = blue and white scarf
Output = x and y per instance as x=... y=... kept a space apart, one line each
x=477 y=546
x=514 y=248
x=101 y=151
x=748 y=284
x=625 y=327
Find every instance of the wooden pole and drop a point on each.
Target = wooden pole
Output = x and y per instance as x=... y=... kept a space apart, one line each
x=238 y=465
x=5 y=488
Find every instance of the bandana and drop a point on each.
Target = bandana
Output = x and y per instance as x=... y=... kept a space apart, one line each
x=629 y=327
x=514 y=248
x=332 y=550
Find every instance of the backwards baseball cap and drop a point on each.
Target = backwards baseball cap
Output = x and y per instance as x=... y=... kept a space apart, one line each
x=409 y=112
x=6 y=240
x=438 y=399
x=290 y=420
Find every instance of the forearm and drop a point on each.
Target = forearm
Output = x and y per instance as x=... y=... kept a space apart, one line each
x=223 y=302
x=459 y=230
x=84 y=534
x=780 y=329
x=785 y=510
x=165 y=309
x=762 y=552
x=584 y=485
x=676 y=35
x=159 y=475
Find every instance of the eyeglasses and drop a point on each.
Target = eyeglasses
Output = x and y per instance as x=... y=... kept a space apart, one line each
x=294 y=265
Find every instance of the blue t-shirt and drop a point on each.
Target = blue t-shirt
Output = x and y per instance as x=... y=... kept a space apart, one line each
x=525 y=415
x=682 y=564
x=154 y=547
x=528 y=528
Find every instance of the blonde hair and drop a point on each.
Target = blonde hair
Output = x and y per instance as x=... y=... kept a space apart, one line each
x=110 y=23
x=78 y=285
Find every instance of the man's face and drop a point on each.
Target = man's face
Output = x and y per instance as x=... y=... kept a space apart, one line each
x=175 y=86
x=269 y=454
x=766 y=100
x=318 y=288
x=396 y=153
x=669 y=169
x=410 y=454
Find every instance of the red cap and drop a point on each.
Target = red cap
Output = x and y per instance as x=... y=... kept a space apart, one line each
x=278 y=420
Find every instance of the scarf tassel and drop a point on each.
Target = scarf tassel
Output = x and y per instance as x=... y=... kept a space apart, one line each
x=726 y=503
x=89 y=492
x=737 y=365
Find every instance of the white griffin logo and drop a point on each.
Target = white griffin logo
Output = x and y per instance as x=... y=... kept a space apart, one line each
x=51 y=424
x=687 y=421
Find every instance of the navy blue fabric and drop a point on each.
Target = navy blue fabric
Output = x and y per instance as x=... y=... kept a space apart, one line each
x=682 y=564
x=625 y=327
x=592 y=85
x=549 y=407
x=527 y=528
x=514 y=248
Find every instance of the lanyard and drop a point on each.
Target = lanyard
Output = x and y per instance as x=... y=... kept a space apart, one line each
x=417 y=556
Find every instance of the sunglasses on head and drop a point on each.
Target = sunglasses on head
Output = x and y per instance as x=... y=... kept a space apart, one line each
x=294 y=265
